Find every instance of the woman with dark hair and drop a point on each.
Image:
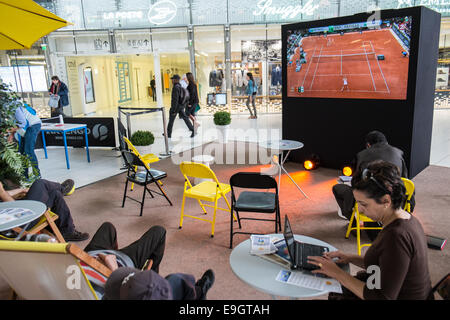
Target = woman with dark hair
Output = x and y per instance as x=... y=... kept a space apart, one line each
x=60 y=89
x=193 y=100
x=251 y=93
x=399 y=253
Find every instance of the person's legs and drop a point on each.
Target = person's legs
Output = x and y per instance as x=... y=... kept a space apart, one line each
x=104 y=239
x=150 y=246
x=344 y=197
x=30 y=142
x=186 y=121
x=253 y=104
x=172 y=117
x=248 y=105
x=183 y=286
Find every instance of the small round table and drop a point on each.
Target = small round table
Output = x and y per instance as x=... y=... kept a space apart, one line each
x=261 y=274
x=37 y=208
x=281 y=146
x=203 y=159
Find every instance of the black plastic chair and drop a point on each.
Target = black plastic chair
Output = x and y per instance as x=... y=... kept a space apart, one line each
x=142 y=178
x=254 y=201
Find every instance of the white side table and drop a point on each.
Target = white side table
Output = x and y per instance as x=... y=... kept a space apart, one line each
x=203 y=159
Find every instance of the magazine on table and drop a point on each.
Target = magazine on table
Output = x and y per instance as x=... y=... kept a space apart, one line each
x=12 y=214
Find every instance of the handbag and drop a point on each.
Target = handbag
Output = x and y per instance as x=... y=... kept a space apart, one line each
x=53 y=101
x=197 y=107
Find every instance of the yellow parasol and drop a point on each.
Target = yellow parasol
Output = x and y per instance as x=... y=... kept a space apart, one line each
x=23 y=22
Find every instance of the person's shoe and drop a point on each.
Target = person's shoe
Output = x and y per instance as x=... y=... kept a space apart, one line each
x=206 y=282
x=193 y=133
x=76 y=236
x=68 y=187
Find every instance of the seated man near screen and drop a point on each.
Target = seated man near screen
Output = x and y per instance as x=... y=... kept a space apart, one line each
x=52 y=195
x=377 y=148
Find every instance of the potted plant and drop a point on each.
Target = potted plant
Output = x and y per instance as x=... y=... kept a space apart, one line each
x=222 y=120
x=143 y=141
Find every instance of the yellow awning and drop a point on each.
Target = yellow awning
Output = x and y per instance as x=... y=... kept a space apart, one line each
x=23 y=22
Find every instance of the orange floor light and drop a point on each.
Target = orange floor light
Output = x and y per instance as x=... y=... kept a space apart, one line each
x=308 y=164
x=347 y=171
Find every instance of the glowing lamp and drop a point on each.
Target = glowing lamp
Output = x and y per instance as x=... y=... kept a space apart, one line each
x=312 y=162
x=308 y=164
x=347 y=171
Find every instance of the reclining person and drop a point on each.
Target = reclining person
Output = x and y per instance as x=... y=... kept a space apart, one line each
x=144 y=254
x=52 y=195
x=133 y=284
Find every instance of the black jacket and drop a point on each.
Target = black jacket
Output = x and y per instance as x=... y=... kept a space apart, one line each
x=382 y=151
x=193 y=94
x=177 y=98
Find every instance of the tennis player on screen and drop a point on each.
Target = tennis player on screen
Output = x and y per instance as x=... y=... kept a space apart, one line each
x=345 y=84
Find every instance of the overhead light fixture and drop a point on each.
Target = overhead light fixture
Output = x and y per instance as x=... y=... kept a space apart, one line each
x=347 y=171
x=312 y=162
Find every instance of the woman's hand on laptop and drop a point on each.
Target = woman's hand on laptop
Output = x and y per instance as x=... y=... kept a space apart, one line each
x=338 y=257
x=327 y=266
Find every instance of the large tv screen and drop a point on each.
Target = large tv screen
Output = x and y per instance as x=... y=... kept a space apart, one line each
x=361 y=60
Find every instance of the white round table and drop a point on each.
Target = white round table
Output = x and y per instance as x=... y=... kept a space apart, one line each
x=261 y=274
x=203 y=159
x=280 y=146
x=37 y=208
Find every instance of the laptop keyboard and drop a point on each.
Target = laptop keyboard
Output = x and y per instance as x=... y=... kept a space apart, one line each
x=304 y=250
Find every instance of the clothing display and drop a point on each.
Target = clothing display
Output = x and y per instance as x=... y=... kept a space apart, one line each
x=215 y=78
x=275 y=75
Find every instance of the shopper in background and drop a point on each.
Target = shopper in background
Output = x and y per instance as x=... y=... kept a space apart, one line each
x=28 y=128
x=178 y=104
x=60 y=89
x=193 y=104
x=251 y=93
x=399 y=252
x=153 y=87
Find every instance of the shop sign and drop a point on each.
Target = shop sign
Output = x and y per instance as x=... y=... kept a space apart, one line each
x=162 y=12
x=437 y=5
x=100 y=44
x=123 y=15
x=266 y=7
x=138 y=43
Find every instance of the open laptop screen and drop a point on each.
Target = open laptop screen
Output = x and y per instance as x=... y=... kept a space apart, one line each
x=289 y=238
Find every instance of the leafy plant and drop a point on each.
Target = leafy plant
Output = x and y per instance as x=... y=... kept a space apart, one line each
x=142 y=138
x=12 y=163
x=222 y=118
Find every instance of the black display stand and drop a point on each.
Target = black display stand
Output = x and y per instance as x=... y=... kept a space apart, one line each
x=335 y=129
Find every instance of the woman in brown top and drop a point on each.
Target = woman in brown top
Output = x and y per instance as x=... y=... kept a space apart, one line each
x=399 y=251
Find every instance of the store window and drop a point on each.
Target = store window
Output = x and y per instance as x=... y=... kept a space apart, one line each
x=210 y=64
x=256 y=49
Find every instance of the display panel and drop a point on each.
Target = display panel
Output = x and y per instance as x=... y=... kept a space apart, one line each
x=362 y=60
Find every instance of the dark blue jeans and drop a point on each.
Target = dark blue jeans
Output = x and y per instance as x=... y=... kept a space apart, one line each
x=27 y=145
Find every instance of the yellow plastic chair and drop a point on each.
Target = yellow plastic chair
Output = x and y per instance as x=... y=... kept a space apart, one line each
x=359 y=217
x=409 y=185
x=48 y=271
x=147 y=159
x=211 y=190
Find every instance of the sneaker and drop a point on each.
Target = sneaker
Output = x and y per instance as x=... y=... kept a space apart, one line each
x=68 y=187
x=205 y=282
x=76 y=236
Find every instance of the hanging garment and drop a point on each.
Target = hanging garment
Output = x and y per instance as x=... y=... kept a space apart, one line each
x=276 y=76
x=166 y=81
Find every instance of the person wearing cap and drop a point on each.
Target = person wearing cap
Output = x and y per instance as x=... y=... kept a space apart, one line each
x=178 y=103
x=145 y=253
x=133 y=284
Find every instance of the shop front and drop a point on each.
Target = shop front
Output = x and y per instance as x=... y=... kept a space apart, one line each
x=114 y=49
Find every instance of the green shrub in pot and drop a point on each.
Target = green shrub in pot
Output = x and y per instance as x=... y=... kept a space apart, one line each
x=222 y=118
x=142 y=138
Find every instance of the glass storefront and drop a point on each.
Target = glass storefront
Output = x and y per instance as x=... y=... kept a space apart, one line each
x=117 y=42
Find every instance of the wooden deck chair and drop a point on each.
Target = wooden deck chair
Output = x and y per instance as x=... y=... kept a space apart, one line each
x=48 y=271
x=47 y=219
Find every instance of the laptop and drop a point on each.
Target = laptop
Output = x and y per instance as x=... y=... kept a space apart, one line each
x=299 y=251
